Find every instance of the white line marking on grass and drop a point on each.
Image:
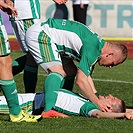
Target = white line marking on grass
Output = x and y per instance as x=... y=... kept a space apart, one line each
x=116 y=81
x=103 y=80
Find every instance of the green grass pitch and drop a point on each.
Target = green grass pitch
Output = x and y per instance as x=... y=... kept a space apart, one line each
x=117 y=81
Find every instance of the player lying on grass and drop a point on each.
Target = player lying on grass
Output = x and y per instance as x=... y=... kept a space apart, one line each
x=69 y=103
x=57 y=43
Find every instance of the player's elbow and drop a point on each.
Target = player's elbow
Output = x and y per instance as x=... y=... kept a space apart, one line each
x=97 y=114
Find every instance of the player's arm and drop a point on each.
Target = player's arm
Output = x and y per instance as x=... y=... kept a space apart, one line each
x=9 y=2
x=100 y=114
x=92 y=84
x=87 y=89
x=11 y=11
x=129 y=110
x=2 y=4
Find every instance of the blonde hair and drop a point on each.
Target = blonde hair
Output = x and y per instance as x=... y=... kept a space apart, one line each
x=121 y=47
x=119 y=107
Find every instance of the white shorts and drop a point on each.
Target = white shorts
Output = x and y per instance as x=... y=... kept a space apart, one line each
x=20 y=27
x=39 y=45
x=4 y=42
x=29 y=102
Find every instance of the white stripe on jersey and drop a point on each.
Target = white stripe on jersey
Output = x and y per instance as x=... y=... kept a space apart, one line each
x=62 y=37
x=23 y=98
x=6 y=41
x=35 y=8
x=24 y=9
x=69 y=102
x=0 y=19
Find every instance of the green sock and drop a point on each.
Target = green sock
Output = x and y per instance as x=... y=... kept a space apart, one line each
x=9 y=90
x=53 y=83
x=30 y=78
x=19 y=64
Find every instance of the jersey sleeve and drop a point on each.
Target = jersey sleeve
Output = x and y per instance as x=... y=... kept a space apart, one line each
x=89 y=57
x=90 y=51
x=88 y=108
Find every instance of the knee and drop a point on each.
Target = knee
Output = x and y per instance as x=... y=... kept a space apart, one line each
x=6 y=61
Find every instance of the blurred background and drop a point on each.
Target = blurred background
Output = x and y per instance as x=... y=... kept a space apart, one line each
x=111 y=19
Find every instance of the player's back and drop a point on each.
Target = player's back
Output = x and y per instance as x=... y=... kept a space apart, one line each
x=68 y=35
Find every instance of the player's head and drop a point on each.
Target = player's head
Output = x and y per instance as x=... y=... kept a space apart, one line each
x=117 y=105
x=113 y=53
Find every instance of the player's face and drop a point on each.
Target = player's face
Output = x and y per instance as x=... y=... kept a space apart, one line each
x=110 y=99
x=109 y=60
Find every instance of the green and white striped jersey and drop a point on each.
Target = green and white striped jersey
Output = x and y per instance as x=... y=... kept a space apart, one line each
x=67 y=102
x=1 y=23
x=25 y=102
x=71 y=103
x=27 y=9
x=4 y=42
x=75 y=41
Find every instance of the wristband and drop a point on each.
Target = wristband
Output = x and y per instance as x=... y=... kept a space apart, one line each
x=97 y=94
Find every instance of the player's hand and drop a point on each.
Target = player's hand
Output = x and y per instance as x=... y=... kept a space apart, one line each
x=129 y=115
x=10 y=3
x=11 y=11
x=82 y=6
x=60 y=1
x=104 y=105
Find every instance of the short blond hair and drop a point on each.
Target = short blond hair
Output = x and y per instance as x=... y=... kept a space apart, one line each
x=121 y=47
x=119 y=107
